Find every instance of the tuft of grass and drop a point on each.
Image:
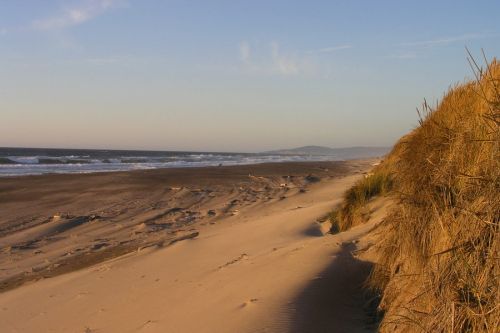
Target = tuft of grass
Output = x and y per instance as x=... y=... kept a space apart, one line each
x=352 y=210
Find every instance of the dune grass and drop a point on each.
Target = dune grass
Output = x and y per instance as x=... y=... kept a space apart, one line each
x=352 y=210
x=439 y=268
x=439 y=260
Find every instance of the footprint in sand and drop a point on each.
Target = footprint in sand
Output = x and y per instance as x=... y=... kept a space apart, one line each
x=102 y=268
x=146 y=324
x=81 y=295
x=298 y=248
x=249 y=302
x=243 y=256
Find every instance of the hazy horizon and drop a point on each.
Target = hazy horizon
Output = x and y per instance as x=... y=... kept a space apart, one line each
x=191 y=151
x=233 y=76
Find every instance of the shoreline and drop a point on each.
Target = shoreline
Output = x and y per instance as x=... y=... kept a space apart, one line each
x=174 y=168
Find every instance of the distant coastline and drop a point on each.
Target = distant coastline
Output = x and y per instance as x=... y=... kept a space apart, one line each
x=344 y=153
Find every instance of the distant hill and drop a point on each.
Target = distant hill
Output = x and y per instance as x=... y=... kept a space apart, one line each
x=341 y=153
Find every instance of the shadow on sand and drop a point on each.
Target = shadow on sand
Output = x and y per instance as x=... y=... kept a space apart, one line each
x=337 y=302
x=314 y=230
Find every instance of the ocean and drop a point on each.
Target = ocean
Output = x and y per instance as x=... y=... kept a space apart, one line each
x=36 y=161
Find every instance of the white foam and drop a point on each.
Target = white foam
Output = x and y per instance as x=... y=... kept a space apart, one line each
x=30 y=164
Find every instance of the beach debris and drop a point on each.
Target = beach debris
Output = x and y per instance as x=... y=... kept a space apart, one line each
x=256 y=177
x=99 y=246
x=60 y=215
x=174 y=188
x=312 y=178
x=198 y=190
x=211 y=212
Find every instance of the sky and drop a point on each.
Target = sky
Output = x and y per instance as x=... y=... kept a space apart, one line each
x=215 y=75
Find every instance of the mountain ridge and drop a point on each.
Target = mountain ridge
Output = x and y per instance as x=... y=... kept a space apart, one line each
x=347 y=152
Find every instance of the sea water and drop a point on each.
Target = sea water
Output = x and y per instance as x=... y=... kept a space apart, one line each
x=35 y=161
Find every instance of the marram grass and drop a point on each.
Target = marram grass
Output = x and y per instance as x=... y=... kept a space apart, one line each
x=439 y=268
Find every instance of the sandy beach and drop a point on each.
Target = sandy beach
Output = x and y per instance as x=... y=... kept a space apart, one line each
x=216 y=249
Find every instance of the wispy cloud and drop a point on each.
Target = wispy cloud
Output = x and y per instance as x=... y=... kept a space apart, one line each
x=76 y=15
x=245 y=51
x=273 y=60
x=448 y=40
x=284 y=64
x=329 y=49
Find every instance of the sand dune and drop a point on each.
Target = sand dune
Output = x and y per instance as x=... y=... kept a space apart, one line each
x=269 y=268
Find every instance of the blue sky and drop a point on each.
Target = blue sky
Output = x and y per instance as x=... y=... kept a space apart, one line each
x=230 y=75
